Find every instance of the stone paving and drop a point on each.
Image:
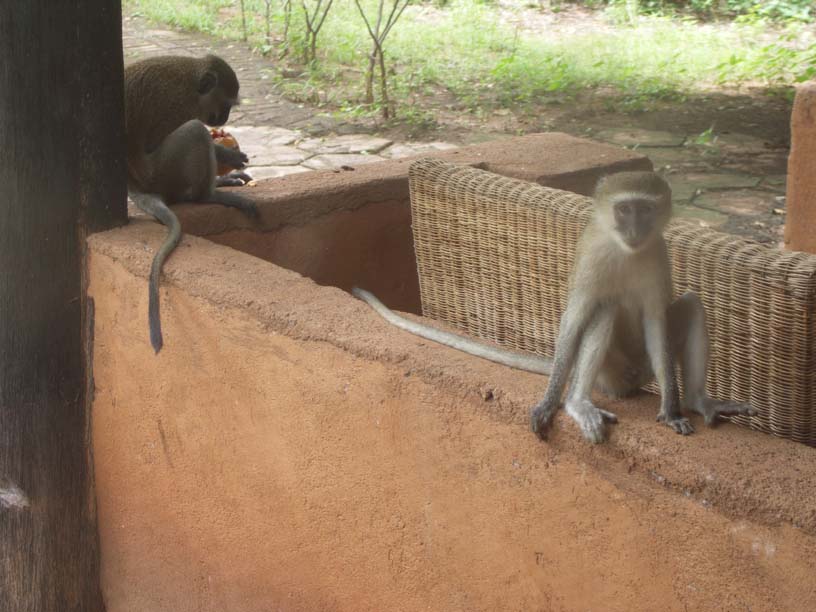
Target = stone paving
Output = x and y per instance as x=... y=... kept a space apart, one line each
x=280 y=137
x=733 y=182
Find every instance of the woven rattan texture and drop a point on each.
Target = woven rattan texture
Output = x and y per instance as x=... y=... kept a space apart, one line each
x=494 y=256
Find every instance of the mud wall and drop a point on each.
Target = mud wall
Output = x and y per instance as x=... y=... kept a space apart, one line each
x=287 y=450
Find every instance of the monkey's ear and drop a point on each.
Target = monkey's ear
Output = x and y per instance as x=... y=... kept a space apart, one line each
x=207 y=83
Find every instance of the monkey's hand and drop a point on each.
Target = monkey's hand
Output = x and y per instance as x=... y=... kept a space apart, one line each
x=233 y=158
x=678 y=423
x=590 y=419
x=711 y=408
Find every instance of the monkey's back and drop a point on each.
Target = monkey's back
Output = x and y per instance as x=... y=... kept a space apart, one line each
x=160 y=95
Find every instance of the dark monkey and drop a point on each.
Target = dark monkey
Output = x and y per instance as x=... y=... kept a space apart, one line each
x=170 y=153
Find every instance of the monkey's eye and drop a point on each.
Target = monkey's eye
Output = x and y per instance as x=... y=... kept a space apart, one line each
x=624 y=209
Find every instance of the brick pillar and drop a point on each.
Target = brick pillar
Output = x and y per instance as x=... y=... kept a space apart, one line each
x=800 y=227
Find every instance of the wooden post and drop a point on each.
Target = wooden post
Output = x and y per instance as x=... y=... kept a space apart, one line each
x=62 y=173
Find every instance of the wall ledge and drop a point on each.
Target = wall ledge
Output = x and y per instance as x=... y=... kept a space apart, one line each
x=740 y=473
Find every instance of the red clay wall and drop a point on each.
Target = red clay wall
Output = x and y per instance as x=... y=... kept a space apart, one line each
x=800 y=223
x=287 y=450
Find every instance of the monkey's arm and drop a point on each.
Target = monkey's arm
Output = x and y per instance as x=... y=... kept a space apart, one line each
x=153 y=205
x=233 y=158
x=530 y=363
x=573 y=322
x=660 y=356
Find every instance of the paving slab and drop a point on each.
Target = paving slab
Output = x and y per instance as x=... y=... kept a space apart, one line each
x=744 y=202
x=706 y=218
x=351 y=143
x=743 y=142
x=260 y=173
x=707 y=181
x=683 y=191
x=340 y=160
x=775 y=180
x=266 y=136
x=629 y=137
x=771 y=162
x=276 y=156
x=405 y=149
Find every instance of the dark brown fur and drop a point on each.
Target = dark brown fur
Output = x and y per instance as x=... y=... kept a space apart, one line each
x=171 y=157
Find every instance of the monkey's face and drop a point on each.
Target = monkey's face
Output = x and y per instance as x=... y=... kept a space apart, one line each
x=634 y=207
x=217 y=96
x=215 y=108
x=637 y=222
x=220 y=117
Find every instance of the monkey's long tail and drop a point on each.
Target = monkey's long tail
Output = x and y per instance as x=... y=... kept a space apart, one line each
x=153 y=205
x=529 y=363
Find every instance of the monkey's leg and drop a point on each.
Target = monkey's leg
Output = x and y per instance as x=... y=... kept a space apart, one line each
x=591 y=356
x=152 y=205
x=233 y=200
x=689 y=341
x=573 y=321
x=655 y=327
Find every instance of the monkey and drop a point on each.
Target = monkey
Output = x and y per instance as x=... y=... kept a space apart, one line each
x=171 y=157
x=620 y=328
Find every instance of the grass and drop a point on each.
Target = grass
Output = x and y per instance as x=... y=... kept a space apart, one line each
x=465 y=51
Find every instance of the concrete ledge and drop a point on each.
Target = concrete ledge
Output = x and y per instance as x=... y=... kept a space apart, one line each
x=551 y=159
x=288 y=448
x=800 y=224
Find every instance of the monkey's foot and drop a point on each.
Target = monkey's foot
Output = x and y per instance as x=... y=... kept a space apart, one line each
x=541 y=417
x=711 y=408
x=679 y=424
x=590 y=419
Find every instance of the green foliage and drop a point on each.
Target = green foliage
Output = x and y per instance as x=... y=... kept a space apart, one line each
x=200 y=15
x=780 y=10
x=750 y=10
x=466 y=53
x=777 y=65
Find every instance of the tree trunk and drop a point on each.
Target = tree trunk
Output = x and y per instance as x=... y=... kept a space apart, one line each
x=369 y=77
x=62 y=174
x=386 y=109
x=287 y=18
x=268 y=40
